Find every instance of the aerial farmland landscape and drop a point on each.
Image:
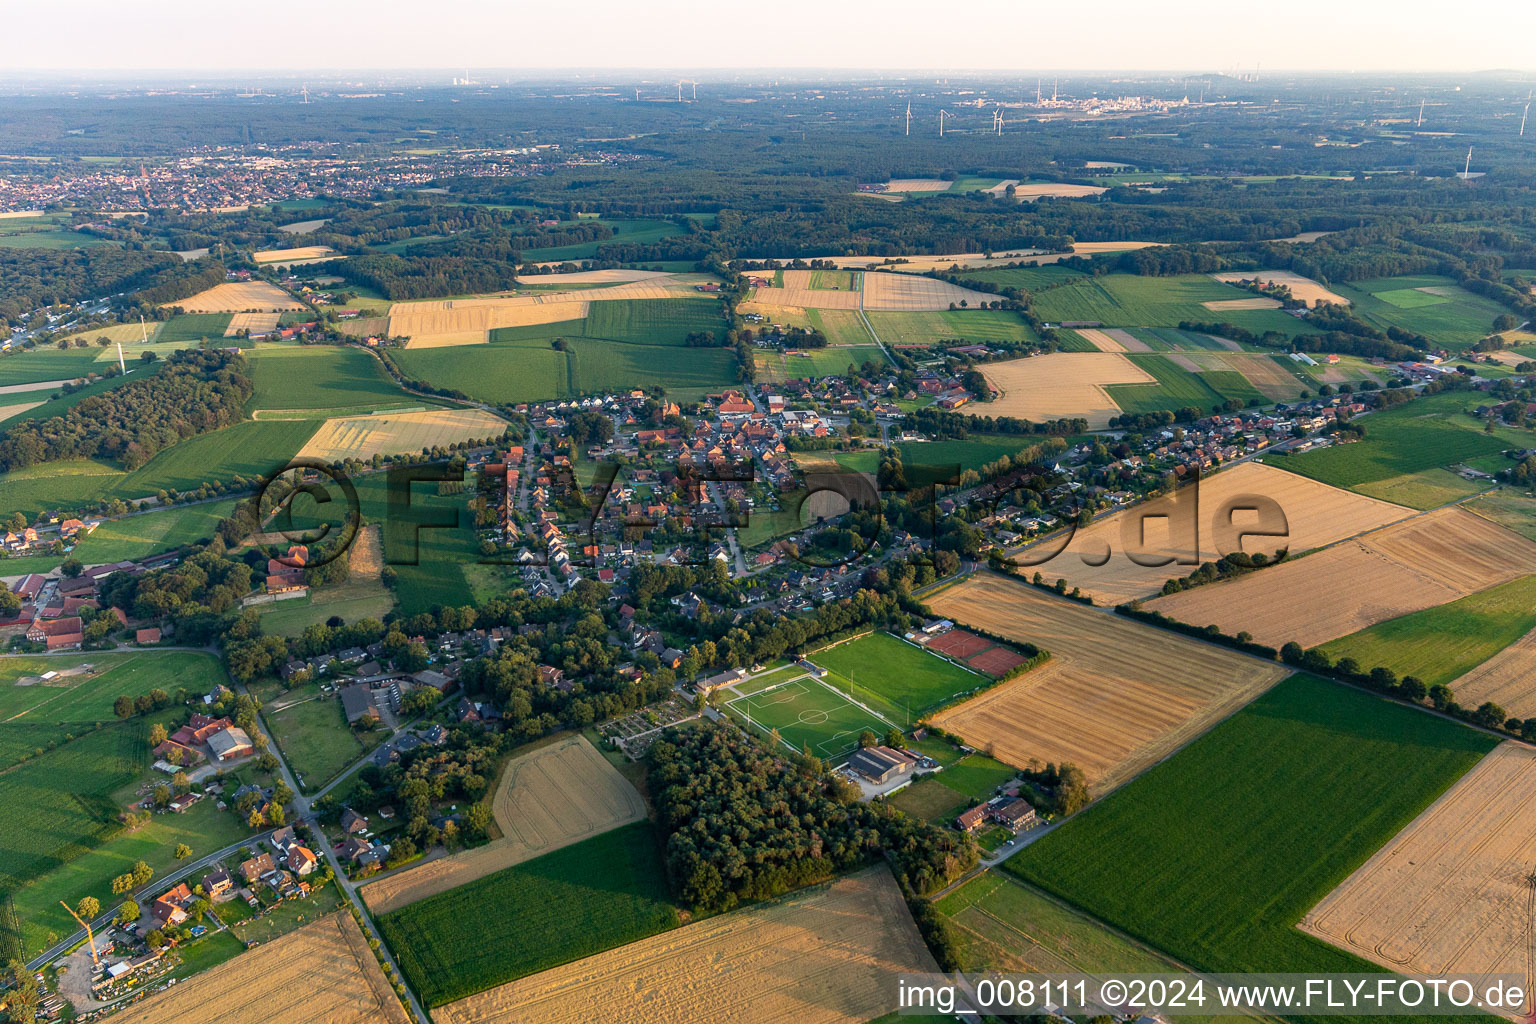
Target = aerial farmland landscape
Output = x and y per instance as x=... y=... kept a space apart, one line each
x=803 y=515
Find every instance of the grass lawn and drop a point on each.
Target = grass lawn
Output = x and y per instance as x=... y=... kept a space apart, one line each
x=352 y=600
x=318 y=378
x=967 y=325
x=931 y=800
x=1442 y=643
x=586 y=898
x=1449 y=315
x=897 y=678
x=289 y=915
x=36 y=715
x=1405 y=453
x=1130 y=300
x=210 y=950
x=313 y=734
x=1241 y=833
x=977 y=776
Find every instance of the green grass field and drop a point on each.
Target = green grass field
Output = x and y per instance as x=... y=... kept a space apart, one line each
x=355 y=599
x=834 y=280
x=143 y=535
x=843 y=327
x=317 y=378
x=44 y=363
x=248 y=449
x=604 y=892
x=1129 y=300
x=1003 y=925
x=64 y=402
x=972 y=326
x=931 y=800
x=37 y=715
x=195 y=327
x=808 y=714
x=528 y=369
x=1512 y=509
x=628 y=232
x=653 y=321
x=1240 y=834
x=1031 y=279
x=1177 y=387
x=1440 y=644
x=1454 y=317
x=976 y=776
x=1405 y=453
x=313 y=734
x=896 y=678
x=972 y=452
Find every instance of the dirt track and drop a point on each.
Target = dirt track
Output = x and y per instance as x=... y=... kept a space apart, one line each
x=548 y=798
x=825 y=955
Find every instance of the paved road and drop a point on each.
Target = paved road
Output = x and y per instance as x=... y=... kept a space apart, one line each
x=155 y=885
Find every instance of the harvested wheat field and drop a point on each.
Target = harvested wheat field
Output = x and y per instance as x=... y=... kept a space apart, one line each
x=1028 y=191
x=1315 y=515
x=254 y=323
x=1115 y=697
x=1303 y=288
x=903 y=292
x=1508 y=679
x=239 y=297
x=1104 y=341
x=16 y=409
x=303 y=227
x=470 y=321
x=298 y=253
x=1455 y=890
x=365 y=558
x=1226 y=305
x=824 y=955
x=1272 y=379
x=548 y=798
x=1062 y=384
x=797 y=292
x=399 y=433
x=616 y=276
x=322 y=972
x=917 y=185
x=1406 y=567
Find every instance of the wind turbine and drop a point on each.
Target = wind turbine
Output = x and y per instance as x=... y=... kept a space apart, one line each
x=305 y=90
x=909 y=117
x=1421 y=115
x=122 y=367
x=1526 y=114
x=1037 y=92
x=1468 y=172
x=997 y=120
x=942 y=115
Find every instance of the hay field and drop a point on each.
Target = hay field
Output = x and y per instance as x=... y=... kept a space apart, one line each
x=1405 y=567
x=1508 y=679
x=547 y=799
x=362 y=437
x=1062 y=384
x=239 y=297
x=365 y=559
x=16 y=409
x=1113 y=340
x=1116 y=695
x=322 y=972
x=1316 y=515
x=1303 y=288
x=1453 y=891
x=255 y=323
x=300 y=252
x=824 y=955
x=1227 y=305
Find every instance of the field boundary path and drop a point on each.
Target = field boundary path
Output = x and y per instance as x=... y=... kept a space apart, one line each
x=869 y=326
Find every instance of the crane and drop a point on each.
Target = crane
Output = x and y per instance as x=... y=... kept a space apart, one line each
x=90 y=936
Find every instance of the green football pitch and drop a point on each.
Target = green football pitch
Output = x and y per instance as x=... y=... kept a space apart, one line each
x=808 y=714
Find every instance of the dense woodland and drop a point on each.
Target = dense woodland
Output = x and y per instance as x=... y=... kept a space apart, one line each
x=195 y=392
x=743 y=824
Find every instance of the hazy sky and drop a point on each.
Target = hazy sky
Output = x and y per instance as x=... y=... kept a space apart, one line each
x=326 y=35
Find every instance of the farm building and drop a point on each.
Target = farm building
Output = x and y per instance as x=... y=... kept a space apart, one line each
x=230 y=743
x=357 y=703
x=970 y=821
